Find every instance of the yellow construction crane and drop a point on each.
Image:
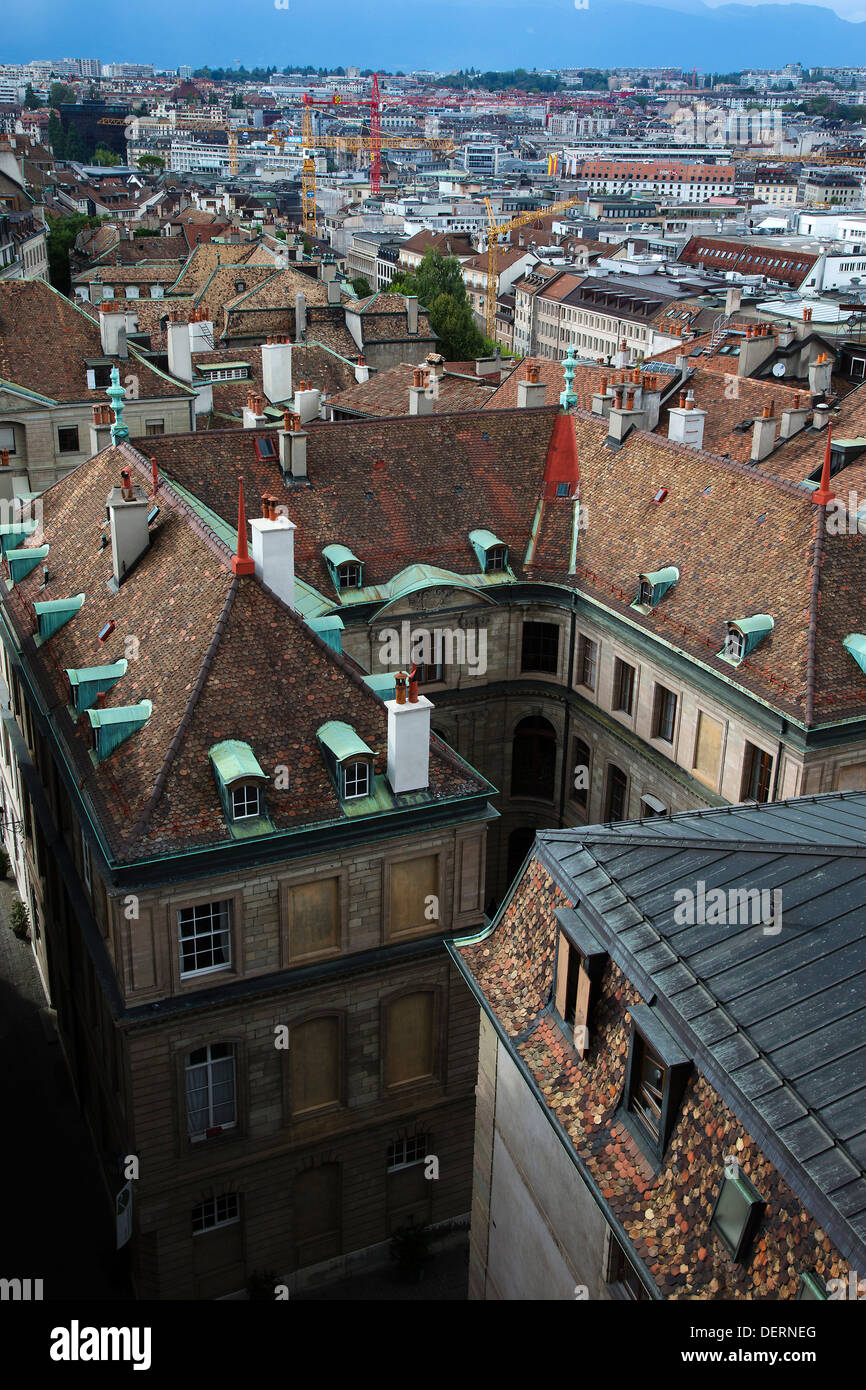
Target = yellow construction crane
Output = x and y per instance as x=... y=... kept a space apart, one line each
x=183 y=124
x=495 y=231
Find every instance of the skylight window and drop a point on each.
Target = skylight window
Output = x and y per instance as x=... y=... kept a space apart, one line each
x=265 y=447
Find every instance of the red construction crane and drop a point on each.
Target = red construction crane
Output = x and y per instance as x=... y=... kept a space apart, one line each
x=375 y=140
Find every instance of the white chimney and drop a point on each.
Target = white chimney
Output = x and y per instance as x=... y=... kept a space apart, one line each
x=819 y=374
x=300 y=316
x=201 y=335
x=335 y=293
x=362 y=371
x=621 y=358
x=412 y=314
x=686 y=422
x=733 y=300
x=308 y=399
x=274 y=550
x=179 y=350
x=254 y=413
x=763 y=434
x=408 y=741
x=327 y=270
x=531 y=391
x=128 y=510
x=277 y=371
x=112 y=328
x=422 y=400
x=293 y=449
x=794 y=418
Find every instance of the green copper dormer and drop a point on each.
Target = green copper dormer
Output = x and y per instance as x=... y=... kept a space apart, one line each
x=241 y=783
x=345 y=569
x=52 y=614
x=491 y=552
x=111 y=727
x=12 y=533
x=21 y=562
x=89 y=681
x=855 y=643
x=349 y=761
x=652 y=587
x=330 y=629
x=743 y=636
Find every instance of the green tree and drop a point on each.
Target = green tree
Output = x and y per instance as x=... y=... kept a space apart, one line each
x=62 y=232
x=75 y=145
x=361 y=286
x=438 y=283
x=237 y=101
x=151 y=163
x=60 y=94
x=31 y=100
x=104 y=156
x=56 y=136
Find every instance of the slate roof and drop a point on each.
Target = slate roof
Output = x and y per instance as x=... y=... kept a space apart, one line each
x=219 y=657
x=34 y=318
x=772 y=1020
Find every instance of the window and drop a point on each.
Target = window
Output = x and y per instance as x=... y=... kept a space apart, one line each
x=356 y=780
x=735 y=647
x=622 y=1273
x=413 y=884
x=7 y=437
x=496 y=559
x=540 y=647
x=623 y=686
x=154 y=427
x=648 y=1088
x=533 y=759
x=317 y=1214
x=246 y=802
x=408 y=1038
x=587 y=662
x=645 y=593
x=67 y=439
x=656 y=1074
x=664 y=714
x=210 y=1090
x=757 y=768
x=616 y=799
x=430 y=672
x=349 y=576
x=404 y=1152
x=580 y=757
x=205 y=938
x=99 y=376
x=708 y=749
x=314 y=917
x=314 y=1065
x=580 y=960
x=85 y=862
x=737 y=1215
x=216 y=1211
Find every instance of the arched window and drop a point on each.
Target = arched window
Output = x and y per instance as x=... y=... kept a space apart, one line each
x=519 y=844
x=533 y=761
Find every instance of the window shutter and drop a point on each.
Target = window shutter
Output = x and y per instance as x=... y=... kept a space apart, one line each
x=314 y=1064
x=409 y=1039
x=315 y=917
x=561 y=974
x=412 y=882
x=581 y=1012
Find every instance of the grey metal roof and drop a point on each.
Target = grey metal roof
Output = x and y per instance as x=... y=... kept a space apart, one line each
x=776 y=1022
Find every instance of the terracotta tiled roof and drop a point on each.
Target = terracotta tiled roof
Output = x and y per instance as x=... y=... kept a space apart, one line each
x=748 y=256
x=322 y=369
x=219 y=657
x=387 y=393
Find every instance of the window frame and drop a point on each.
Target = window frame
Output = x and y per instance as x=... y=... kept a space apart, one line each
x=228 y=930
x=211 y=1131
x=757 y=769
x=64 y=430
x=650 y=1038
x=663 y=716
x=620 y=680
x=608 y=781
x=756 y=1206
x=355 y=763
x=528 y=638
x=349 y=575
x=244 y=789
x=587 y=657
x=217 y=1224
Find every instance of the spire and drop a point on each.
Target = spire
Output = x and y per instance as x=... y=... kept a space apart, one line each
x=823 y=495
x=117 y=395
x=242 y=562
x=568 y=397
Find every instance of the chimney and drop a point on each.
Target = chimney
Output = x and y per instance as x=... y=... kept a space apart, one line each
x=794 y=418
x=277 y=370
x=821 y=416
x=201 y=332
x=755 y=348
x=274 y=550
x=179 y=350
x=622 y=414
x=531 y=391
x=100 y=429
x=112 y=328
x=434 y=363
x=327 y=270
x=733 y=300
x=764 y=433
x=335 y=293
x=293 y=447
x=651 y=400
x=421 y=400
x=621 y=358
x=682 y=362
x=408 y=737
x=128 y=509
x=300 y=316
x=308 y=400
x=412 y=315
x=602 y=399
x=254 y=412
x=362 y=371
x=819 y=374
x=686 y=423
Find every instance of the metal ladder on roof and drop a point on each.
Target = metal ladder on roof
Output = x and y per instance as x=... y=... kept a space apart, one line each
x=719 y=331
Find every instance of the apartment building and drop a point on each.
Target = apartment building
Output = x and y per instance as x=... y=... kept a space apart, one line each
x=594 y=316
x=656 y=1119
x=777 y=188
x=831 y=187
x=240 y=862
x=689 y=183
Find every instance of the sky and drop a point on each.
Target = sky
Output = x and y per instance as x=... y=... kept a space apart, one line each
x=441 y=34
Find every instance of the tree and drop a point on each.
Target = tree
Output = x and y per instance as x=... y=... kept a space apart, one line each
x=75 y=146
x=361 y=286
x=237 y=101
x=151 y=163
x=56 y=136
x=62 y=232
x=59 y=94
x=31 y=100
x=104 y=156
x=438 y=283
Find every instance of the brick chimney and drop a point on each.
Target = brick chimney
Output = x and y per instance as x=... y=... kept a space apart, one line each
x=686 y=422
x=277 y=370
x=408 y=737
x=764 y=433
x=274 y=550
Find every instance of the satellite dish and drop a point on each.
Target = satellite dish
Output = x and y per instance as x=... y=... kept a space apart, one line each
x=778 y=369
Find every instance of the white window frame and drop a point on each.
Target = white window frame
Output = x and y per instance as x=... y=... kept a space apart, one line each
x=244 y=793
x=407 y=1152
x=224 y=1210
x=356 y=780
x=206 y=1066
x=210 y=922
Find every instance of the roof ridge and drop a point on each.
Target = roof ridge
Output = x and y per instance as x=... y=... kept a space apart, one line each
x=189 y=709
x=200 y=527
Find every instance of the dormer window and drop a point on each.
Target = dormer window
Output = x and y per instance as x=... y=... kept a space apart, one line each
x=356 y=780
x=345 y=569
x=490 y=551
x=349 y=760
x=497 y=559
x=743 y=636
x=246 y=802
x=241 y=782
x=653 y=586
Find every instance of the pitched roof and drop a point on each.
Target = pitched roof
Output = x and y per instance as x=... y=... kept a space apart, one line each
x=387 y=393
